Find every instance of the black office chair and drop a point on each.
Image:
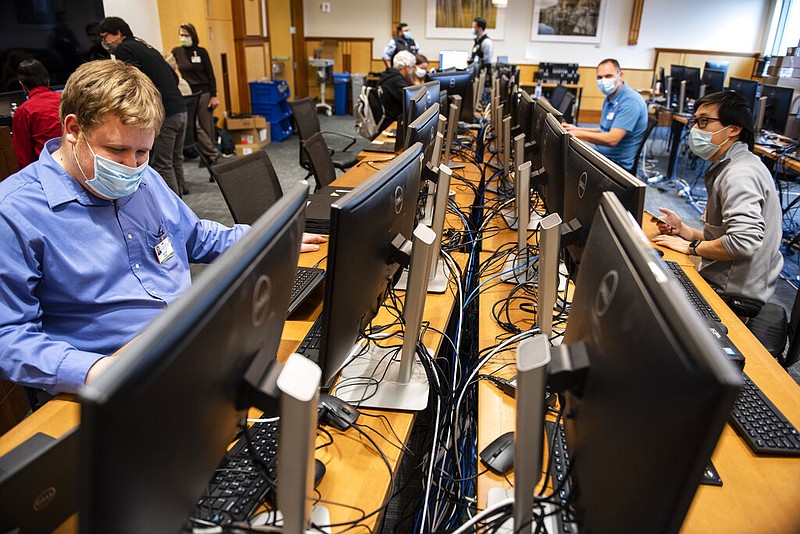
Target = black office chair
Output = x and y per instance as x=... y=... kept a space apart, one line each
x=651 y=123
x=773 y=330
x=305 y=116
x=319 y=158
x=566 y=106
x=557 y=95
x=249 y=185
x=190 y=141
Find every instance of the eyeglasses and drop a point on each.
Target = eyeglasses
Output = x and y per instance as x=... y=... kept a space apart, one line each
x=702 y=122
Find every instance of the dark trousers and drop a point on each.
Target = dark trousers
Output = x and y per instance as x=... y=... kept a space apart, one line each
x=167 y=154
x=205 y=133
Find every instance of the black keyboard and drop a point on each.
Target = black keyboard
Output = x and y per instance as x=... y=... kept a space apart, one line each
x=239 y=486
x=762 y=426
x=310 y=345
x=559 y=467
x=306 y=281
x=697 y=300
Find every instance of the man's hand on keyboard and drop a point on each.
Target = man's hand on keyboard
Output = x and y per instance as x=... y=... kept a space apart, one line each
x=311 y=242
x=674 y=242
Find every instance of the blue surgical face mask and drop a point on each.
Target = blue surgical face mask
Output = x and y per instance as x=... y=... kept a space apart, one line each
x=474 y=32
x=607 y=86
x=407 y=35
x=700 y=143
x=112 y=180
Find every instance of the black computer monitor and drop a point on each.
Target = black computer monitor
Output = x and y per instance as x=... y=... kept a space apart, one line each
x=777 y=107
x=692 y=77
x=423 y=130
x=718 y=65
x=541 y=110
x=714 y=80
x=587 y=175
x=457 y=82
x=361 y=263
x=522 y=106
x=415 y=102
x=550 y=185
x=747 y=88
x=11 y=97
x=676 y=74
x=155 y=426
x=641 y=426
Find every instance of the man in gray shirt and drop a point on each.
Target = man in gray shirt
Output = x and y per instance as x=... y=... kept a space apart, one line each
x=741 y=236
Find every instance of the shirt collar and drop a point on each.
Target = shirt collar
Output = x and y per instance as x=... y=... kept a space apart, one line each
x=37 y=90
x=59 y=187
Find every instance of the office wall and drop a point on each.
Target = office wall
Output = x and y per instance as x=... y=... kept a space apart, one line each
x=733 y=25
x=350 y=18
x=141 y=16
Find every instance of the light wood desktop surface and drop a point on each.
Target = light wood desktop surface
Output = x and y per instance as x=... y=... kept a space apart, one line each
x=760 y=494
x=356 y=475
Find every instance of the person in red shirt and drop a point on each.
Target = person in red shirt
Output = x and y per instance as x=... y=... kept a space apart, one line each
x=36 y=121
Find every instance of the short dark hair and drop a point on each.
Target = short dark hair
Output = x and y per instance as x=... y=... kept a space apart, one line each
x=190 y=29
x=114 y=25
x=612 y=61
x=420 y=59
x=733 y=111
x=32 y=74
x=401 y=25
x=480 y=21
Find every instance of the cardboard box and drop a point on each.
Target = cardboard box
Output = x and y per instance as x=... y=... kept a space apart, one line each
x=251 y=136
x=245 y=123
x=245 y=149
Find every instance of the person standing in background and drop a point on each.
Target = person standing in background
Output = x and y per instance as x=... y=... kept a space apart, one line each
x=36 y=120
x=483 y=48
x=166 y=157
x=399 y=42
x=195 y=67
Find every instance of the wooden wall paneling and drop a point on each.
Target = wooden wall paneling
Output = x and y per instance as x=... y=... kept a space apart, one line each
x=217 y=9
x=279 y=20
x=252 y=18
x=636 y=22
x=299 y=50
x=257 y=63
x=222 y=42
x=741 y=64
x=239 y=24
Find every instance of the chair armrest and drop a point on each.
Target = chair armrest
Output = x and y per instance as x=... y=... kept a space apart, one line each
x=350 y=137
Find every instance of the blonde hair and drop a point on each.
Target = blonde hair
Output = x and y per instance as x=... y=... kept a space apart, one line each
x=108 y=86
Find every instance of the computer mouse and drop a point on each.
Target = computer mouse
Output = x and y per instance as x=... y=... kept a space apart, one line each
x=333 y=411
x=319 y=472
x=659 y=252
x=499 y=454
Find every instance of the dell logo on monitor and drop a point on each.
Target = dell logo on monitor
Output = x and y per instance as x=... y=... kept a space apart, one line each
x=582 y=184
x=398 y=200
x=605 y=293
x=44 y=499
x=261 y=297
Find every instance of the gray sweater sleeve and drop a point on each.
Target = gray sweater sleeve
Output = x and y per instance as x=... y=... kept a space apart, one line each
x=742 y=198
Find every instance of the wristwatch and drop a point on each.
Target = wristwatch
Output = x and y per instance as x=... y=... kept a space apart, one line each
x=693 y=246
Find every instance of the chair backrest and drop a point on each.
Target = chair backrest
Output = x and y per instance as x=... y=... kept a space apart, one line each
x=304 y=112
x=320 y=159
x=249 y=185
x=557 y=94
x=651 y=122
x=566 y=105
x=793 y=352
x=191 y=101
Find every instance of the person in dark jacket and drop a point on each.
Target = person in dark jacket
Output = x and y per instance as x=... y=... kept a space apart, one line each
x=391 y=84
x=166 y=157
x=195 y=66
x=402 y=40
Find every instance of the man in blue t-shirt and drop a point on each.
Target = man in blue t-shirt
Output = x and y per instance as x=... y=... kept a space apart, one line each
x=623 y=120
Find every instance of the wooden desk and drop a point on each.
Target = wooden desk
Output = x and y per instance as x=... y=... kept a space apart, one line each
x=356 y=476
x=790 y=161
x=760 y=494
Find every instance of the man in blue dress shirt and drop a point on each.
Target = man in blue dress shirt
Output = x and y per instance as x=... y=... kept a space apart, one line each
x=95 y=245
x=623 y=120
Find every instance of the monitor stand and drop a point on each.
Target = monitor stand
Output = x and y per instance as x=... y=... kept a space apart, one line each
x=522 y=196
x=520 y=267
x=533 y=355
x=374 y=378
x=439 y=277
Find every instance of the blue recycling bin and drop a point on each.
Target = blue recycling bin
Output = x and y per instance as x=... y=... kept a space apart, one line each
x=340 y=80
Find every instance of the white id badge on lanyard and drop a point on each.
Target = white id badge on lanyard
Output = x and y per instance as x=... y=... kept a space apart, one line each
x=195 y=58
x=164 y=250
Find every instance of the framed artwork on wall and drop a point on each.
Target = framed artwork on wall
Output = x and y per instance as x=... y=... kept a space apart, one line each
x=568 y=21
x=452 y=19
